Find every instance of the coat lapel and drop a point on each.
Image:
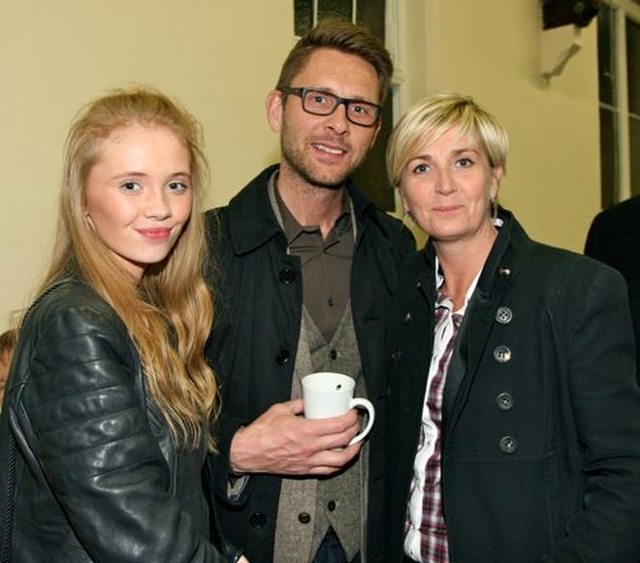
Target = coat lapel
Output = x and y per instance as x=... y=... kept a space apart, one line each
x=495 y=281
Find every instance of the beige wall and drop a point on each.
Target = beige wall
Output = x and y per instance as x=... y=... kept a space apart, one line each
x=490 y=50
x=220 y=57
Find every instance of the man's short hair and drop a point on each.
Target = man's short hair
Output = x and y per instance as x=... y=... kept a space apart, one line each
x=344 y=36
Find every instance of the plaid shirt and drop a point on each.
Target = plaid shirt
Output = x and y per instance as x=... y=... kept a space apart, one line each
x=426 y=530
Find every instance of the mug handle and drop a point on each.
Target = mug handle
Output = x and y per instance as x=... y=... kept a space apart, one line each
x=366 y=405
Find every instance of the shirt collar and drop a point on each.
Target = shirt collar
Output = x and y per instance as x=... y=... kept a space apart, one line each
x=289 y=223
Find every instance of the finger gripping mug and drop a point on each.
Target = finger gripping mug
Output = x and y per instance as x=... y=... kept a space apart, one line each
x=326 y=394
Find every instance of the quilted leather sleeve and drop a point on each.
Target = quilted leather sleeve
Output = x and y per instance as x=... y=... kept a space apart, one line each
x=83 y=429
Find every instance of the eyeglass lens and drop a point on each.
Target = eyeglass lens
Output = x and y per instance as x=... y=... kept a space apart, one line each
x=325 y=103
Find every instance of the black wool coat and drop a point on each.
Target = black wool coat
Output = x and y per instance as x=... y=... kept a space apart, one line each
x=258 y=288
x=614 y=238
x=541 y=410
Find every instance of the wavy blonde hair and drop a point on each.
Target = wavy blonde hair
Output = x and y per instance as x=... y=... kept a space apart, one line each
x=169 y=313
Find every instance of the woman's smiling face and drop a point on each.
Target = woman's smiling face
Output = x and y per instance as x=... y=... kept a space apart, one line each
x=447 y=187
x=138 y=195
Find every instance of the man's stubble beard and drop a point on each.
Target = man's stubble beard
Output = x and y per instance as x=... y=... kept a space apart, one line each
x=301 y=163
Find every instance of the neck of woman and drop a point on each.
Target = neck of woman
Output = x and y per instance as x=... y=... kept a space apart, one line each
x=460 y=262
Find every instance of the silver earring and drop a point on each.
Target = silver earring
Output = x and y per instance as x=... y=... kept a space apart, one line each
x=406 y=217
x=495 y=220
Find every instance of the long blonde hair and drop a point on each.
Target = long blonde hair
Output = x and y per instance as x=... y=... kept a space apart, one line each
x=169 y=313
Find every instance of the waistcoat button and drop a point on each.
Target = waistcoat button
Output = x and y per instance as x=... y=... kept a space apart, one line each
x=331 y=505
x=304 y=518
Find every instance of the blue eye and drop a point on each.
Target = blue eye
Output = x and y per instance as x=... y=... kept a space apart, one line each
x=130 y=186
x=421 y=169
x=178 y=186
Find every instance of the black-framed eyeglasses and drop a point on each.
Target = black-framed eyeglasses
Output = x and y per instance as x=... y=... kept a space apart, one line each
x=321 y=102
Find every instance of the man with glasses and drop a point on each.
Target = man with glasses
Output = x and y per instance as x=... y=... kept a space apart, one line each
x=323 y=102
x=304 y=266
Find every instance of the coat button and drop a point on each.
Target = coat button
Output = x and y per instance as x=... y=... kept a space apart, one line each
x=502 y=354
x=504 y=272
x=287 y=275
x=331 y=505
x=257 y=520
x=395 y=355
x=407 y=318
x=508 y=444
x=304 y=518
x=333 y=354
x=282 y=357
x=504 y=401
x=504 y=315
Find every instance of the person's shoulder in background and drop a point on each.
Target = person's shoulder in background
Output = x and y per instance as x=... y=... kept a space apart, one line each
x=614 y=234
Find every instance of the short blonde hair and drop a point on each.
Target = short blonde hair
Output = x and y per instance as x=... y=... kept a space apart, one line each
x=431 y=118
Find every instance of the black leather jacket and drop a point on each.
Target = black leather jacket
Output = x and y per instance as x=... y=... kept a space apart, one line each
x=95 y=474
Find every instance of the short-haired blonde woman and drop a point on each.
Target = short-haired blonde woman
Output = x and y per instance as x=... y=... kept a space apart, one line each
x=513 y=422
x=109 y=401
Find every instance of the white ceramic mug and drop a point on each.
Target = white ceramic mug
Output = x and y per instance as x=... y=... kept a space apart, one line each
x=328 y=394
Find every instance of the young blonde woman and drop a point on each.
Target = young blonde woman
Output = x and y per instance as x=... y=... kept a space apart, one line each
x=109 y=402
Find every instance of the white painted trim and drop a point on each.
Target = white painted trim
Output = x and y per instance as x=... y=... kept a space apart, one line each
x=394 y=19
x=622 y=101
x=622 y=10
x=631 y=8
